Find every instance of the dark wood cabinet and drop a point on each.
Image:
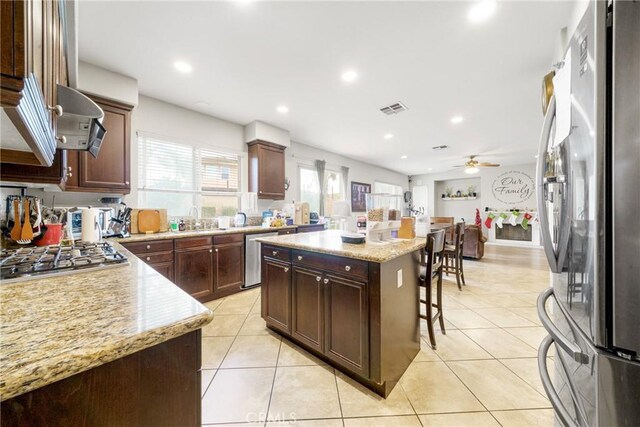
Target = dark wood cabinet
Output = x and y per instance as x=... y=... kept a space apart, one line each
x=157 y=386
x=56 y=175
x=194 y=272
x=307 y=307
x=276 y=307
x=228 y=268
x=166 y=269
x=111 y=171
x=266 y=170
x=309 y=228
x=347 y=323
x=33 y=63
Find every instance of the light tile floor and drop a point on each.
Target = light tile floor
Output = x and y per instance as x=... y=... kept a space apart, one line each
x=483 y=373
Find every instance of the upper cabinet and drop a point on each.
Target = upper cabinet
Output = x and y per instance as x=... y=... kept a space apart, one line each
x=33 y=63
x=266 y=170
x=111 y=171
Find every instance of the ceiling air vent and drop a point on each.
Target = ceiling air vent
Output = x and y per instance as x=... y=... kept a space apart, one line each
x=395 y=108
x=439 y=147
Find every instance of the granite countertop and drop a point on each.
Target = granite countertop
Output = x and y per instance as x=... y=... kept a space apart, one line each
x=250 y=229
x=56 y=327
x=329 y=242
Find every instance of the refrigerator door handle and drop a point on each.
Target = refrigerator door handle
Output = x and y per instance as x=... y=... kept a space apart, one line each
x=560 y=410
x=570 y=347
x=547 y=244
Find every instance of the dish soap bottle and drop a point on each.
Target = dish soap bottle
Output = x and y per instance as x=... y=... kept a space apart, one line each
x=181 y=225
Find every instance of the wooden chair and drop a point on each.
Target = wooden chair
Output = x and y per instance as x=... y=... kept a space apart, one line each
x=453 y=256
x=444 y=220
x=430 y=270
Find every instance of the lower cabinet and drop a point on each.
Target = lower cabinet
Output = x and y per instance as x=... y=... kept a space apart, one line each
x=328 y=310
x=276 y=308
x=194 y=272
x=166 y=269
x=228 y=264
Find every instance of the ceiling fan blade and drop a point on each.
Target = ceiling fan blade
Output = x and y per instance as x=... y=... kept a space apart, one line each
x=488 y=165
x=460 y=166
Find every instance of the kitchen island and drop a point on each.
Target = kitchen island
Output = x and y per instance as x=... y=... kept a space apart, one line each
x=118 y=346
x=354 y=306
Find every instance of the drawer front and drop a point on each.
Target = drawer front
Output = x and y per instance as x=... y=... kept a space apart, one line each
x=287 y=231
x=228 y=238
x=193 y=242
x=309 y=228
x=156 y=258
x=344 y=266
x=283 y=254
x=148 y=247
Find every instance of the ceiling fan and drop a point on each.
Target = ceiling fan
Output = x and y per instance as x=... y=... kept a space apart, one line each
x=472 y=165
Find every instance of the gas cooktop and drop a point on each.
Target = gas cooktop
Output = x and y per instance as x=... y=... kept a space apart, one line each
x=36 y=262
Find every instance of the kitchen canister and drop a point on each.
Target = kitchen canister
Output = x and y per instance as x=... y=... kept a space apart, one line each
x=90 y=227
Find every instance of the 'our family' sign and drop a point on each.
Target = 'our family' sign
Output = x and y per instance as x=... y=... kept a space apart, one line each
x=513 y=187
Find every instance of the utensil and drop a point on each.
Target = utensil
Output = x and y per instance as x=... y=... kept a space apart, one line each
x=27 y=231
x=16 y=231
x=37 y=225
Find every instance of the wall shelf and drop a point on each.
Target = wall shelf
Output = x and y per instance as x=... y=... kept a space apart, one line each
x=458 y=199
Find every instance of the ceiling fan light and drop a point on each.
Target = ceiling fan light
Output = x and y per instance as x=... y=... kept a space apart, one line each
x=471 y=170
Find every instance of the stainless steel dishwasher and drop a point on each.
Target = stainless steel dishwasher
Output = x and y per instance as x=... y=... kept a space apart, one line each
x=252 y=258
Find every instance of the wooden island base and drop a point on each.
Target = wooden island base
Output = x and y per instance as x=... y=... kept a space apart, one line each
x=158 y=386
x=359 y=316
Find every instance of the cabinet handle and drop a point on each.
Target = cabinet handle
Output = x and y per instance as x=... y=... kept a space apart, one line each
x=326 y=281
x=347 y=267
x=148 y=258
x=57 y=110
x=318 y=278
x=286 y=269
x=260 y=191
x=299 y=257
x=275 y=253
x=62 y=139
x=210 y=250
x=69 y=175
x=216 y=249
x=148 y=246
x=69 y=168
x=126 y=183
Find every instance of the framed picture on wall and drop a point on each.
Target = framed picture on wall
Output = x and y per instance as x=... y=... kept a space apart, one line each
x=358 y=200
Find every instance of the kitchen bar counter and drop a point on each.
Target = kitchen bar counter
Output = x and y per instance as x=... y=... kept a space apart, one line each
x=329 y=242
x=214 y=232
x=56 y=327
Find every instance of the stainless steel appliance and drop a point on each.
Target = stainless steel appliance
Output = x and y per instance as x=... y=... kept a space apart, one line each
x=240 y=220
x=36 y=262
x=252 y=262
x=105 y=217
x=588 y=208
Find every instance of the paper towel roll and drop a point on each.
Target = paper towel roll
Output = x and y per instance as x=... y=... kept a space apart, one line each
x=90 y=228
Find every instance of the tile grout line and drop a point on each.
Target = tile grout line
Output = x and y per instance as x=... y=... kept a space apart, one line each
x=273 y=384
x=335 y=378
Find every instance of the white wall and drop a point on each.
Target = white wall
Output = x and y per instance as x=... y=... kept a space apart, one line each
x=487 y=177
x=458 y=209
x=105 y=83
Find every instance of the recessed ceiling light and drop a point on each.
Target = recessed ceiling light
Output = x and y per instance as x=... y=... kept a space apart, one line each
x=388 y=136
x=403 y=157
x=430 y=169
x=282 y=109
x=482 y=10
x=536 y=156
x=349 y=76
x=457 y=119
x=183 y=67
x=203 y=104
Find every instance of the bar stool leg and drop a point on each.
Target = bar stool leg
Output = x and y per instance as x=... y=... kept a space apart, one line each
x=439 y=299
x=429 y=312
x=461 y=266
x=456 y=267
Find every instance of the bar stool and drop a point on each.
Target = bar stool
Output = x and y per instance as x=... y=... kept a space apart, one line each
x=430 y=270
x=453 y=256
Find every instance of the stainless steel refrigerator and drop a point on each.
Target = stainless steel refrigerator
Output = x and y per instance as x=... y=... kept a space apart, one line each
x=588 y=181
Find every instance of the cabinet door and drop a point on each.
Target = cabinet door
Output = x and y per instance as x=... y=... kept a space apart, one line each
x=166 y=269
x=228 y=268
x=270 y=173
x=276 y=294
x=347 y=323
x=111 y=170
x=193 y=272
x=307 y=317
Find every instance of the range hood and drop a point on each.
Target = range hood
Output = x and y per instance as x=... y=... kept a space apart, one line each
x=80 y=125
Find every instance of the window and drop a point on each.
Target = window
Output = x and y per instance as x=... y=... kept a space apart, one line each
x=179 y=177
x=310 y=188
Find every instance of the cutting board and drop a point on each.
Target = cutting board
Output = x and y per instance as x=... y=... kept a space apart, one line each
x=149 y=221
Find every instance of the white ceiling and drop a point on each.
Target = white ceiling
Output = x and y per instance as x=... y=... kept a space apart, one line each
x=249 y=58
